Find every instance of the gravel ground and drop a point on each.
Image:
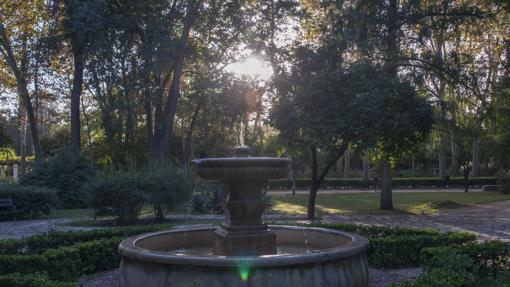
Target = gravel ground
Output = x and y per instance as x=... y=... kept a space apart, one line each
x=378 y=277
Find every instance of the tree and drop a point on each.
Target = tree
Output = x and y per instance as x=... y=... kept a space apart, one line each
x=335 y=109
x=18 y=26
x=83 y=21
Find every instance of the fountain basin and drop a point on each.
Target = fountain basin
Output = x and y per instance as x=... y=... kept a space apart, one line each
x=184 y=257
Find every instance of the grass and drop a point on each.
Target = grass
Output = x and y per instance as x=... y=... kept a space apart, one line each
x=412 y=202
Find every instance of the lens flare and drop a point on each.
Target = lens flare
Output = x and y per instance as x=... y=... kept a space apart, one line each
x=244 y=270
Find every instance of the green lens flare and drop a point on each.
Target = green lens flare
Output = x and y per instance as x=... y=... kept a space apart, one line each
x=244 y=270
x=244 y=274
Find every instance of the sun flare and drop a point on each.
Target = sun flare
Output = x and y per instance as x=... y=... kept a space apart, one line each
x=251 y=66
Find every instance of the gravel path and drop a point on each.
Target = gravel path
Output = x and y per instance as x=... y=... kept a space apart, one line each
x=25 y=228
x=377 y=277
x=489 y=221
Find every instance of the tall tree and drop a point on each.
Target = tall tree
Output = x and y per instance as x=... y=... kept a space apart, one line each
x=18 y=28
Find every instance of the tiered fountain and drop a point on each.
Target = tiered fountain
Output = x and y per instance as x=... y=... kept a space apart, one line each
x=244 y=251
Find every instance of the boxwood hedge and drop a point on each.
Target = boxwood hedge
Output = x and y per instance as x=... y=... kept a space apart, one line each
x=65 y=256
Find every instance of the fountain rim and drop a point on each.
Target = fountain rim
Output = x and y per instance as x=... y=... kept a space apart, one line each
x=357 y=245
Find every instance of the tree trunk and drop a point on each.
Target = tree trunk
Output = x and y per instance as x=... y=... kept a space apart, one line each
x=366 y=167
x=386 y=202
x=75 y=102
x=476 y=159
x=22 y=90
x=454 y=166
x=340 y=166
x=413 y=167
x=347 y=164
x=313 y=189
x=22 y=140
x=189 y=133
x=466 y=176
x=174 y=92
x=442 y=164
x=317 y=181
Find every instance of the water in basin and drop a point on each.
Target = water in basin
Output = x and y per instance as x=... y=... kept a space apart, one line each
x=282 y=250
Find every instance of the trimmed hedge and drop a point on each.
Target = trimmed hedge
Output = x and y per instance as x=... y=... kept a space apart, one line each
x=401 y=247
x=30 y=201
x=417 y=182
x=464 y=265
x=39 y=243
x=31 y=280
x=65 y=256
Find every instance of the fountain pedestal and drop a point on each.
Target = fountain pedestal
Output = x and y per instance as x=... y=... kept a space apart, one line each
x=243 y=232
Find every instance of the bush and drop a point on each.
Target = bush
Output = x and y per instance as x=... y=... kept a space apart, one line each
x=123 y=194
x=65 y=173
x=504 y=180
x=30 y=201
x=463 y=265
x=166 y=187
x=37 y=244
x=401 y=247
x=120 y=195
x=208 y=198
x=492 y=257
x=30 y=280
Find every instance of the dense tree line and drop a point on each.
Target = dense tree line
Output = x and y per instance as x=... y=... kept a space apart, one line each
x=388 y=82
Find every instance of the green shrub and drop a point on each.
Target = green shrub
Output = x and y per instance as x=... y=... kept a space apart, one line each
x=98 y=255
x=208 y=198
x=492 y=257
x=166 y=187
x=472 y=264
x=401 y=247
x=66 y=263
x=503 y=178
x=61 y=263
x=30 y=201
x=120 y=195
x=65 y=173
x=30 y=280
x=37 y=244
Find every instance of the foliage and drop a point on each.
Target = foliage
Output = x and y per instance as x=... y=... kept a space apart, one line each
x=67 y=255
x=37 y=244
x=208 y=198
x=31 y=280
x=65 y=173
x=401 y=247
x=123 y=194
x=30 y=201
x=503 y=178
x=119 y=194
x=166 y=187
x=463 y=265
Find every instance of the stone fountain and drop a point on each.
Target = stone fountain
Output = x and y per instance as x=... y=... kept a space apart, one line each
x=244 y=251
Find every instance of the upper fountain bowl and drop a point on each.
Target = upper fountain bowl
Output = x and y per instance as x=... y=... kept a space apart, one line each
x=242 y=168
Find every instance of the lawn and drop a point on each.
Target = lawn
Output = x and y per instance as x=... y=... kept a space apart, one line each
x=412 y=202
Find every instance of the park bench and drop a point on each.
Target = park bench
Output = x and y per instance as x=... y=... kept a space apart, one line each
x=8 y=207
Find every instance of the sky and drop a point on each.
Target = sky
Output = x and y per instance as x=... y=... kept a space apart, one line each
x=251 y=66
